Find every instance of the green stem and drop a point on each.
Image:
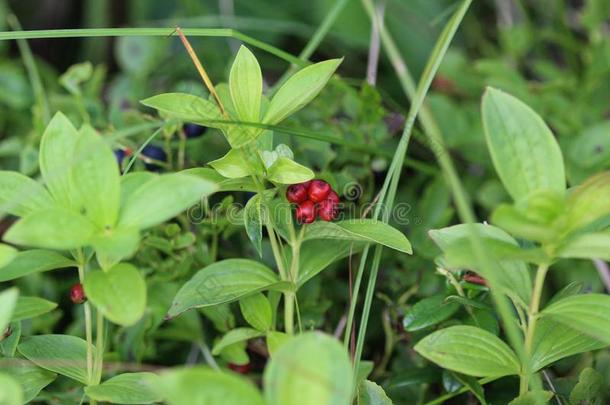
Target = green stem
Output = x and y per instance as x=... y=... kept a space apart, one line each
x=531 y=326
x=88 y=325
x=99 y=345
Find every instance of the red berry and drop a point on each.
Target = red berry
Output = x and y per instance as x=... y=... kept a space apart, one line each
x=334 y=197
x=306 y=212
x=318 y=190
x=474 y=279
x=77 y=294
x=296 y=193
x=240 y=368
x=327 y=210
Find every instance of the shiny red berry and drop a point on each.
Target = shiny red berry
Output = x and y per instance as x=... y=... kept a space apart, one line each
x=306 y=212
x=296 y=193
x=318 y=190
x=474 y=279
x=240 y=368
x=327 y=210
x=334 y=197
x=77 y=294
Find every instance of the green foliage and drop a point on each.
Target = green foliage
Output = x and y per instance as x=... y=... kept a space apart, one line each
x=128 y=388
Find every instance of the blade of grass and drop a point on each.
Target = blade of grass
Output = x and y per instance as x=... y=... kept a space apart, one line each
x=392 y=179
x=152 y=32
x=464 y=208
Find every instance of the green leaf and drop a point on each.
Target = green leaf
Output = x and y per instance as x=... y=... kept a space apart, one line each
x=56 y=155
x=32 y=379
x=223 y=281
x=7 y=254
x=204 y=386
x=275 y=340
x=96 y=177
x=299 y=90
x=130 y=182
x=10 y=391
x=523 y=149
x=119 y=293
x=473 y=386
x=62 y=354
x=31 y=307
x=469 y=350
x=428 y=312
x=224 y=184
x=554 y=341
x=588 y=202
x=34 y=261
x=587 y=246
x=235 y=336
x=52 y=229
x=511 y=275
x=233 y=165
x=589 y=389
x=309 y=369
x=128 y=388
x=253 y=222
x=114 y=245
x=370 y=393
x=587 y=313
x=246 y=85
x=315 y=256
x=186 y=107
x=519 y=225
x=287 y=171
x=20 y=195
x=163 y=198
x=8 y=301
x=536 y=397
x=8 y=346
x=256 y=310
x=361 y=230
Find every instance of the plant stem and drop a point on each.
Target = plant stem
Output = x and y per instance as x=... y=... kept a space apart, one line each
x=531 y=325
x=99 y=345
x=88 y=326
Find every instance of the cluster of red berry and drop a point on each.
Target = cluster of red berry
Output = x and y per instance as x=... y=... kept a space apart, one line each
x=315 y=197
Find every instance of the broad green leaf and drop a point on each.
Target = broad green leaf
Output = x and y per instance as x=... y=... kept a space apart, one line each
x=299 y=90
x=519 y=225
x=163 y=198
x=360 y=230
x=256 y=310
x=523 y=149
x=34 y=261
x=10 y=390
x=119 y=293
x=7 y=254
x=52 y=229
x=20 y=195
x=114 y=245
x=275 y=340
x=587 y=313
x=428 y=312
x=233 y=165
x=587 y=246
x=128 y=388
x=224 y=184
x=31 y=307
x=590 y=388
x=223 y=281
x=309 y=369
x=56 y=155
x=186 y=107
x=31 y=378
x=462 y=255
x=535 y=397
x=253 y=222
x=62 y=354
x=370 y=393
x=236 y=353
x=575 y=287
x=473 y=386
x=96 y=177
x=246 y=85
x=287 y=171
x=8 y=345
x=512 y=275
x=315 y=256
x=130 y=182
x=469 y=350
x=554 y=341
x=588 y=202
x=203 y=386
x=8 y=301
x=235 y=336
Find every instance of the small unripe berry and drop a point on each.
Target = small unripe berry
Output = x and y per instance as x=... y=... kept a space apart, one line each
x=77 y=294
x=306 y=212
x=327 y=210
x=318 y=190
x=296 y=193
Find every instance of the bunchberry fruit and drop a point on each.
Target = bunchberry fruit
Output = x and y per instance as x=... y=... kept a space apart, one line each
x=241 y=369
x=306 y=212
x=327 y=210
x=193 y=130
x=77 y=294
x=119 y=154
x=296 y=193
x=334 y=197
x=155 y=153
x=474 y=278
x=318 y=190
